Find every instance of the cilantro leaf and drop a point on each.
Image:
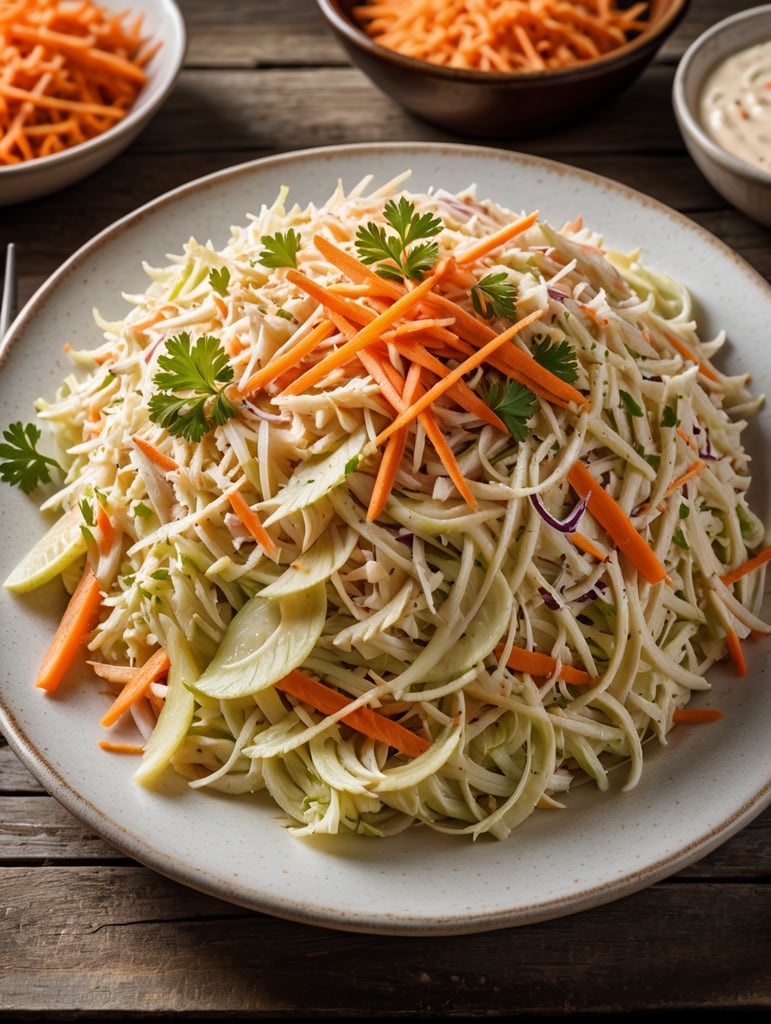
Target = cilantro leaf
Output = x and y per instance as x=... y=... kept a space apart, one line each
x=558 y=358
x=24 y=465
x=396 y=255
x=219 y=279
x=280 y=249
x=629 y=403
x=495 y=295
x=191 y=383
x=515 y=404
x=669 y=417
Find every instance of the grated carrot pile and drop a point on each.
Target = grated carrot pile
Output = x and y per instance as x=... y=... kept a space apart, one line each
x=68 y=72
x=501 y=35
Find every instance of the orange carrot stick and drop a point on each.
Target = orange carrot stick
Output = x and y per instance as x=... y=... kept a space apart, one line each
x=106 y=529
x=497 y=239
x=275 y=367
x=694 y=468
x=369 y=333
x=251 y=521
x=696 y=715
x=356 y=270
x=470 y=363
x=751 y=564
x=588 y=546
x=736 y=652
x=365 y=720
x=156 y=666
x=394 y=450
x=80 y=617
x=614 y=520
x=164 y=462
x=537 y=663
x=704 y=369
x=121 y=748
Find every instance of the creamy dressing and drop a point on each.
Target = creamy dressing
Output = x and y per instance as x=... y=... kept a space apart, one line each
x=736 y=105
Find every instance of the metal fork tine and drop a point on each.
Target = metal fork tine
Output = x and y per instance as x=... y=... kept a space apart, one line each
x=8 y=304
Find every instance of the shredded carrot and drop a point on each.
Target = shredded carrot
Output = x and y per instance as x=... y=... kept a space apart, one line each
x=704 y=369
x=121 y=748
x=588 y=546
x=537 y=663
x=70 y=72
x=292 y=357
x=736 y=652
x=454 y=375
x=79 y=619
x=696 y=715
x=498 y=35
x=369 y=333
x=164 y=462
x=106 y=529
x=494 y=241
x=157 y=665
x=365 y=720
x=615 y=521
x=392 y=456
x=749 y=566
x=251 y=521
x=695 y=467
x=356 y=270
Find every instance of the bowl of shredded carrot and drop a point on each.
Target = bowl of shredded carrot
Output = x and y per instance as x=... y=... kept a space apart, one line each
x=80 y=80
x=502 y=68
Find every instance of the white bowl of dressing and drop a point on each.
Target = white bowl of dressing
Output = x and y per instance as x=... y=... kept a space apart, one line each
x=722 y=101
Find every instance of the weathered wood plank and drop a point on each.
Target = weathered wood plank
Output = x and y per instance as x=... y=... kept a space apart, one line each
x=101 y=936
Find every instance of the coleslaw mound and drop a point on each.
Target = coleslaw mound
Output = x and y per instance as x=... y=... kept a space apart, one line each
x=513 y=635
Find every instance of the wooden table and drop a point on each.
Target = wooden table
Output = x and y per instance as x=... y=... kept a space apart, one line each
x=87 y=933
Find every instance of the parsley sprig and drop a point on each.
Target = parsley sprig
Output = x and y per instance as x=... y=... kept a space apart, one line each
x=280 y=249
x=191 y=396
x=23 y=465
x=558 y=357
x=495 y=296
x=514 y=403
x=405 y=253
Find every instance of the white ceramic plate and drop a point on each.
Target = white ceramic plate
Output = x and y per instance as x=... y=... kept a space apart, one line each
x=704 y=786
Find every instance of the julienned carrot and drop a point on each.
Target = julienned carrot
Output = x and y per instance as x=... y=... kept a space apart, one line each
x=394 y=449
x=695 y=467
x=251 y=521
x=460 y=391
x=537 y=663
x=356 y=270
x=704 y=368
x=80 y=617
x=736 y=652
x=498 y=238
x=365 y=720
x=121 y=748
x=454 y=375
x=390 y=384
x=164 y=462
x=349 y=308
x=589 y=547
x=106 y=529
x=366 y=336
x=749 y=566
x=157 y=665
x=696 y=715
x=615 y=521
x=293 y=355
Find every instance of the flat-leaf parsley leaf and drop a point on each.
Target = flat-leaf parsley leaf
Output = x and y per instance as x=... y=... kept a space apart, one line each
x=23 y=465
x=495 y=295
x=515 y=404
x=191 y=383
x=558 y=358
x=280 y=249
x=396 y=255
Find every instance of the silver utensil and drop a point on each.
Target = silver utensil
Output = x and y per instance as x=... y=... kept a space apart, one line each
x=10 y=291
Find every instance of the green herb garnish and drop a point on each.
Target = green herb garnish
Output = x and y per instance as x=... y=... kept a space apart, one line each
x=191 y=398
x=397 y=256
x=280 y=249
x=558 y=358
x=23 y=465
x=495 y=295
x=219 y=279
x=515 y=404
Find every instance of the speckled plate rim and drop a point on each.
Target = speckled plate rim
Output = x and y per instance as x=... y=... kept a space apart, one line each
x=697 y=791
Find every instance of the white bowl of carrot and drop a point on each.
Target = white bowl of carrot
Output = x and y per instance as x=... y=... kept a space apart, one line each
x=502 y=70
x=80 y=82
